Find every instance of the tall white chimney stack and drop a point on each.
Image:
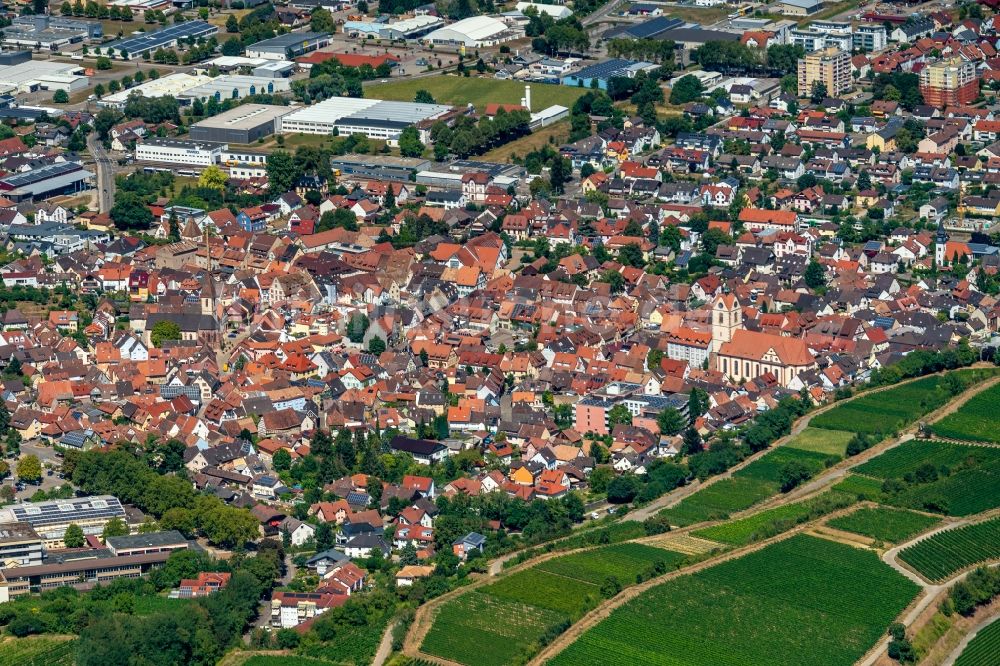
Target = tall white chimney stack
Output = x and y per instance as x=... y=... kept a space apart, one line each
x=527 y=97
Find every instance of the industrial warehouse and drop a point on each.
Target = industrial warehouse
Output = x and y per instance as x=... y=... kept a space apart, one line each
x=187 y=88
x=410 y=28
x=374 y=118
x=288 y=46
x=137 y=46
x=473 y=32
x=34 y=75
x=244 y=124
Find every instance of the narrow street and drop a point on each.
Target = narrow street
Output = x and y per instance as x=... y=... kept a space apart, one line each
x=105 y=174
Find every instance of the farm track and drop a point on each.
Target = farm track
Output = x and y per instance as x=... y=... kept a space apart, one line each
x=950 y=660
x=425 y=614
x=598 y=614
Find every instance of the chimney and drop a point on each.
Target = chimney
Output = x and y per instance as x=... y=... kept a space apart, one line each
x=527 y=97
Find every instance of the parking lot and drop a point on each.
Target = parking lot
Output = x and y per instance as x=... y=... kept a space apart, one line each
x=50 y=463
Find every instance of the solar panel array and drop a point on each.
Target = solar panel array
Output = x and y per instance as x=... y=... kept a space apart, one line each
x=42 y=173
x=157 y=38
x=56 y=512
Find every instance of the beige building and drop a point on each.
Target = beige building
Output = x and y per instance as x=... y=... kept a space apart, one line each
x=830 y=66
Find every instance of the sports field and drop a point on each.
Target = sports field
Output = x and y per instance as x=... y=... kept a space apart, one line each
x=459 y=90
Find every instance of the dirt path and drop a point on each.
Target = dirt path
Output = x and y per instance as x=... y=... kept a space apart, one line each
x=424 y=617
x=595 y=616
x=982 y=624
x=384 y=646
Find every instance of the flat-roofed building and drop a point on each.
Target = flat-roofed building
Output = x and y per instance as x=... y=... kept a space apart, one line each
x=20 y=545
x=290 y=45
x=148 y=542
x=175 y=151
x=136 y=46
x=50 y=519
x=830 y=66
x=81 y=569
x=949 y=83
x=243 y=124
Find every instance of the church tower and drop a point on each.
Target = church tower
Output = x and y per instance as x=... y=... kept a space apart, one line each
x=940 y=244
x=727 y=318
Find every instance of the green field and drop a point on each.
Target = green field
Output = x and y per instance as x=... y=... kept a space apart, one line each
x=718 y=500
x=284 y=660
x=150 y=604
x=458 y=91
x=768 y=467
x=976 y=420
x=938 y=557
x=623 y=561
x=862 y=487
x=794 y=602
x=942 y=477
x=478 y=628
x=37 y=651
x=885 y=524
x=885 y=411
x=830 y=442
x=984 y=649
x=774 y=521
x=505 y=621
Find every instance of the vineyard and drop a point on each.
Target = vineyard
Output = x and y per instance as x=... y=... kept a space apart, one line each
x=938 y=557
x=768 y=467
x=862 y=487
x=885 y=524
x=885 y=411
x=478 y=628
x=774 y=521
x=509 y=618
x=718 y=500
x=284 y=660
x=942 y=477
x=740 y=612
x=983 y=649
x=624 y=561
x=37 y=651
x=975 y=420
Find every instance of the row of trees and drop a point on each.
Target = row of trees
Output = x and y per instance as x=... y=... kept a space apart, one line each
x=169 y=498
x=469 y=137
x=94 y=10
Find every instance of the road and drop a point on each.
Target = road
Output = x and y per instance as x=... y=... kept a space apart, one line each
x=105 y=174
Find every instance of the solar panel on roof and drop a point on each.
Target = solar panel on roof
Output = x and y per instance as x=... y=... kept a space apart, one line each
x=163 y=35
x=42 y=173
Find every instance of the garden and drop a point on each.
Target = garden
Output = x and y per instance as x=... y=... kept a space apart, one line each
x=884 y=523
x=938 y=557
x=740 y=612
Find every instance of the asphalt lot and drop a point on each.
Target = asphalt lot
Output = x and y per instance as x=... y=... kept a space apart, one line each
x=47 y=456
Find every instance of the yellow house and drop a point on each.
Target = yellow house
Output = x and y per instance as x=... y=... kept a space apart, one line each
x=522 y=477
x=866 y=199
x=880 y=141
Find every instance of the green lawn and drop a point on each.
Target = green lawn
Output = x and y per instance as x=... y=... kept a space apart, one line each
x=830 y=442
x=458 y=90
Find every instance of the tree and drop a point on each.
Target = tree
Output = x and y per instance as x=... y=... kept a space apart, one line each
x=29 y=469
x=324 y=537
x=4 y=469
x=103 y=63
x=357 y=326
x=282 y=460
x=213 y=178
x=130 y=212
x=619 y=414
x=99 y=91
x=692 y=443
x=815 y=275
x=321 y=20
x=623 y=489
x=712 y=239
x=376 y=345
x=282 y=172
x=232 y=25
x=670 y=421
x=687 y=89
x=424 y=97
x=164 y=331
x=409 y=143
x=818 y=92
x=61 y=97
x=114 y=528
x=792 y=474
x=73 y=538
